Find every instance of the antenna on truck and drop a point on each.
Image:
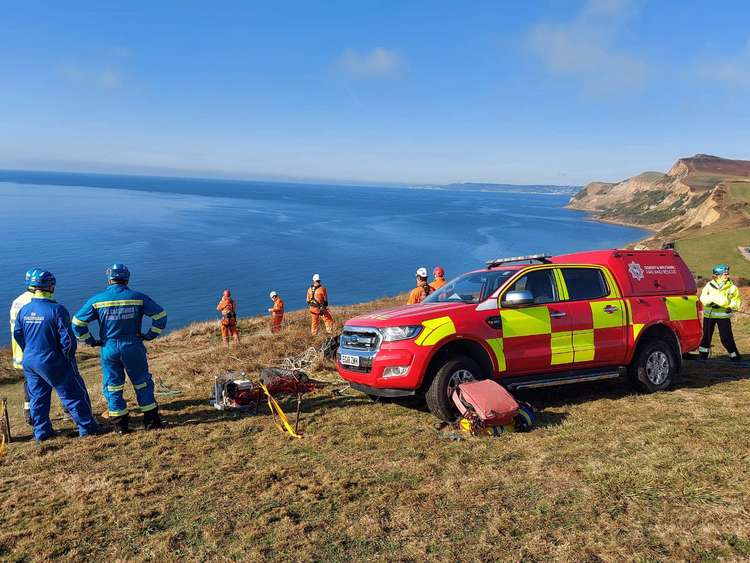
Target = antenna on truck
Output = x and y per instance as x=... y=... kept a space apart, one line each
x=541 y=258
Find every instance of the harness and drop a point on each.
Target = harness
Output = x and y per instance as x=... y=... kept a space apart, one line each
x=229 y=317
x=314 y=302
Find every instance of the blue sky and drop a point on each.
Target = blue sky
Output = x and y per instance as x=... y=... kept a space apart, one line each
x=545 y=91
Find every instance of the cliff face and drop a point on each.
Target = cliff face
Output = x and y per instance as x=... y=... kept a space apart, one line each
x=695 y=193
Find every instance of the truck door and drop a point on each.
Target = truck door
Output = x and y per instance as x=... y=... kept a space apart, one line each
x=600 y=319
x=537 y=337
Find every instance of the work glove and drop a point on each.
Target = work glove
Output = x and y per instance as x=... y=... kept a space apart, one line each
x=729 y=310
x=713 y=305
x=95 y=343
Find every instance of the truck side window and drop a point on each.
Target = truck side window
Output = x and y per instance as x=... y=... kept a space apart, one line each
x=541 y=284
x=585 y=283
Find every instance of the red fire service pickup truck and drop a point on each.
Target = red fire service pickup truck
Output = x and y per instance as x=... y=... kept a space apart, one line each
x=532 y=321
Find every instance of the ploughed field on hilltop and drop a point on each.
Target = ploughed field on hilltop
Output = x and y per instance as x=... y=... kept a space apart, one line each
x=609 y=474
x=698 y=197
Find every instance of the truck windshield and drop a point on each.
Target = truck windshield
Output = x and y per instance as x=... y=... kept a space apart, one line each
x=470 y=288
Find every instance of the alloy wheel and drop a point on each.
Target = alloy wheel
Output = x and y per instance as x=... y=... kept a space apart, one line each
x=657 y=367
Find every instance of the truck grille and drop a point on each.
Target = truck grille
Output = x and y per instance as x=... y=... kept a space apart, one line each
x=362 y=339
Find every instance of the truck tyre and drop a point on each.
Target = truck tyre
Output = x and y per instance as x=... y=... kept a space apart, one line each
x=456 y=370
x=654 y=366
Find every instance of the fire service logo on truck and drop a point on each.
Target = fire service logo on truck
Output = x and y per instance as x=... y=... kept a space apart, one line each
x=636 y=271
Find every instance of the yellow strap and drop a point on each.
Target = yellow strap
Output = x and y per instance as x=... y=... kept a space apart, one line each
x=3 y=445
x=276 y=410
x=158 y=316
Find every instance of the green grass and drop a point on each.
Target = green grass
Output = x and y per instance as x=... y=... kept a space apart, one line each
x=703 y=251
x=739 y=191
x=608 y=475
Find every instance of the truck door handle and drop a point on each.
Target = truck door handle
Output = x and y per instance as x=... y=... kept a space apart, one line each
x=610 y=309
x=558 y=314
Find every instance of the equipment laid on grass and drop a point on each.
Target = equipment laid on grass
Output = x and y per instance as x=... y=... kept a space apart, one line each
x=5 y=436
x=487 y=409
x=234 y=391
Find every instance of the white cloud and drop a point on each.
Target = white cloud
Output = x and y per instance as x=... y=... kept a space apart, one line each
x=378 y=62
x=733 y=71
x=584 y=49
x=106 y=78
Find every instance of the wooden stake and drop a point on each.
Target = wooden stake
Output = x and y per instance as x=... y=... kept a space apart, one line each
x=299 y=404
x=6 y=425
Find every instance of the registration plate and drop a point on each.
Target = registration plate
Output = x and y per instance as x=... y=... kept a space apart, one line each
x=347 y=360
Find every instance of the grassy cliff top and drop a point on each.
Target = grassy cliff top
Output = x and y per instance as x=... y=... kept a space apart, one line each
x=609 y=474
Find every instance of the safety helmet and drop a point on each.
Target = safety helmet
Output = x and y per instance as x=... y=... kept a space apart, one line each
x=720 y=269
x=438 y=272
x=29 y=273
x=422 y=272
x=227 y=293
x=118 y=272
x=273 y=294
x=316 y=277
x=42 y=279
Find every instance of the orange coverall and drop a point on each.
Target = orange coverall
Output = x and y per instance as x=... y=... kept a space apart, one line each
x=419 y=293
x=228 y=310
x=437 y=283
x=277 y=314
x=319 y=294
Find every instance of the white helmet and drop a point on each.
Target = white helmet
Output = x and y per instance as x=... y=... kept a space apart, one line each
x=273 y=294
x=422 y=272
x=316 y=277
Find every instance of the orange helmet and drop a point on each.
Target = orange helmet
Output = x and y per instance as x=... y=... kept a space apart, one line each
x=438 y=272
x=227 y=293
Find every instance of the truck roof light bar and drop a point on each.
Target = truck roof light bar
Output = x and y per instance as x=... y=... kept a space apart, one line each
x=541 y=258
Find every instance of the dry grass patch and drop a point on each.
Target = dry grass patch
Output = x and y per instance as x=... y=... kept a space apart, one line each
x=608 y=475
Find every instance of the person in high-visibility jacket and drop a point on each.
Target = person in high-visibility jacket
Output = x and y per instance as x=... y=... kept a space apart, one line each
x=16 y=306
x=228 y=309
x=720 y=298
x=42 y=330
x=422 y=290
x=439 y=280
x=277 y=312
x=119 y=311
x=317 y=299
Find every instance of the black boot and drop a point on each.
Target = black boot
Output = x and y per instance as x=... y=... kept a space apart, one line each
x=27 y=416
x=736 y=358
x=152 y=420
x=703 y=356
x=121 y=424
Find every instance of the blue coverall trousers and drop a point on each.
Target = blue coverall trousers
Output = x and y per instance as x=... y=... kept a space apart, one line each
x=64 y=378
x=117 y=358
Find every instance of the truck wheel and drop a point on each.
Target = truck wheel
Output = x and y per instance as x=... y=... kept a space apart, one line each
x=654 y=366
x=457 y=370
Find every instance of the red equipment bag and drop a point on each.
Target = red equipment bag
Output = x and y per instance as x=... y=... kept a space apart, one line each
x=280 y=381
x=488 y=400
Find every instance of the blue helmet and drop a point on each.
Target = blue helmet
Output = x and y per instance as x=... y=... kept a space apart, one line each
x=42 y=279
x=118 y=272
x=720 y=269
x=29 y=273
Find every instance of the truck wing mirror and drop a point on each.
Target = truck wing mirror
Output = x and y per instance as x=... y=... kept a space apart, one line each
x=517 y=299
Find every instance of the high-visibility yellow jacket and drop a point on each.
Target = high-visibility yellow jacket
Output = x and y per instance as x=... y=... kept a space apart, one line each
x=725 y=298
x=17 y=305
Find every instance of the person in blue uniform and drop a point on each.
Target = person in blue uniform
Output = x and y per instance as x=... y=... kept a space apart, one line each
x=42 y=331
x=119 y=311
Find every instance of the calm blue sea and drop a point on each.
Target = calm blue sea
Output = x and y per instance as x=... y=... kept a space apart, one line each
x=185 y=240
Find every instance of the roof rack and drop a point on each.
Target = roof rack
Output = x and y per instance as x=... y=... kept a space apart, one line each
x=541 y=258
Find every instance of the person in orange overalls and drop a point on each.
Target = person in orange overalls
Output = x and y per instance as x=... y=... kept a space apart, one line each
x=277 y=312
x=422 y=290
x=439 y=280
x=317 y=299
x=228 y=309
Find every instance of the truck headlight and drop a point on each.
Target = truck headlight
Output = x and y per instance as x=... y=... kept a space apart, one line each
x=394 y=333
